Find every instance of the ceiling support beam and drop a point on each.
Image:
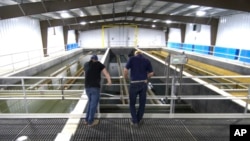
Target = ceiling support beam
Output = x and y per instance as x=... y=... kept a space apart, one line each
x=161 y=26
x=12 y=11
x=241 y=5
x=185 y=19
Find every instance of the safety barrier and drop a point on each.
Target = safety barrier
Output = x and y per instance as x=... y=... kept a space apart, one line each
x=242 y=55
x=23 y=94
x=20 y=60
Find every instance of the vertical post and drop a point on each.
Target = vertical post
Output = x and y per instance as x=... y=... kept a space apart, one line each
x=248 y=96
x=180 y=81
x=24 y=95
x=172 y=102
x=167 y=75
x=62 y=88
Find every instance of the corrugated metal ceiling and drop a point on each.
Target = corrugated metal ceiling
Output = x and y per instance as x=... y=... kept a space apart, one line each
x=121 y=11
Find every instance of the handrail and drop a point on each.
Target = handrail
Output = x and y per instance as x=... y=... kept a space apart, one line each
x=18 y=89
x=29 y=58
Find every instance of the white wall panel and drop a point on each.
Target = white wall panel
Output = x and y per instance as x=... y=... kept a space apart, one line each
x=234 y=31
x=19 y=34
x=151 y=38
x=55 y=40
x=174 y=35
x=92 y=38
x=119 y=36
x=201 y=36
x=71 y=37
x=20 y=38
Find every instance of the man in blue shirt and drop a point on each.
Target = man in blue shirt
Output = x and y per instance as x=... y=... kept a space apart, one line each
x=140 y=71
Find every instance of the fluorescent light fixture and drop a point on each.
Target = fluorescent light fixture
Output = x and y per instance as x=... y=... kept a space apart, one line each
x=200 y=13
x=168 y=21
x=193 y=6
x=153 y=26
x=65 y=15
x=82 y=14
x=155 y=21
x=82 y=23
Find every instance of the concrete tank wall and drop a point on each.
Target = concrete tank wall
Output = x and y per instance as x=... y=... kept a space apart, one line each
x=199 y=106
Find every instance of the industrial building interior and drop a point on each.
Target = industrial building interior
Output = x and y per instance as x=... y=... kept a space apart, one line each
x=190 y=97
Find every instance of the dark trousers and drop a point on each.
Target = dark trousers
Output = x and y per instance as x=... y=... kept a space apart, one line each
x=136 y=89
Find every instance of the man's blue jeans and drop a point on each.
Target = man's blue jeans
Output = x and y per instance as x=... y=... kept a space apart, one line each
x=93 y=100
x=136 y=89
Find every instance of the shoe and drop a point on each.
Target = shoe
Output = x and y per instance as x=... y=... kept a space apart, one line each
x=95 y=122
x=133 y=124
x=85 y=122
x=141 y=122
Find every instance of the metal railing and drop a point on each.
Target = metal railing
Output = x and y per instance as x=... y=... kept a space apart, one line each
x=16 y=61
x=30 y=89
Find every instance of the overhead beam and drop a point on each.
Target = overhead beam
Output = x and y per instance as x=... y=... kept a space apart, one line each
x=60 y=22
x=26 y=9
x=184 y=19
x=125 y=22
x=241 y=5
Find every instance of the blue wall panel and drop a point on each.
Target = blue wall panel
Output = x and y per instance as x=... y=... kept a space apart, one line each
x=188 y=47
x=246 y=54
x=201 y=49
x=71 y=46
x=230 y=53
x=174 y=45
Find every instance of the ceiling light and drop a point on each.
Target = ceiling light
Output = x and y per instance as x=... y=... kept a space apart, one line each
x=193 y=6
x=155 y=21
x=82 y=23
x=200 y=13
x=65 y=15
x=82 y=14
x=129 y=8
x=168 y=21
x=153 y=26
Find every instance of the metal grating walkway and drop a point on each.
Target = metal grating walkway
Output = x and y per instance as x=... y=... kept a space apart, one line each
x=117 y=129
x=159 y=130
x=35 y=129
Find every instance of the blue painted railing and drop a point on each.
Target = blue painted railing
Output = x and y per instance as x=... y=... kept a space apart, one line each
x=223 y=52
x=229 y=53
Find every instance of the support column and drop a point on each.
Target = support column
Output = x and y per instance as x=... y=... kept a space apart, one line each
x=213 y=30
x=65 y=36
x=44 y=32
x=167 y=35
x=183 y=34
x=77 y=35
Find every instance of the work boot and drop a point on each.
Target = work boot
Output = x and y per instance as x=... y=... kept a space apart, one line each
x=95 y=122
x=133 y=124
